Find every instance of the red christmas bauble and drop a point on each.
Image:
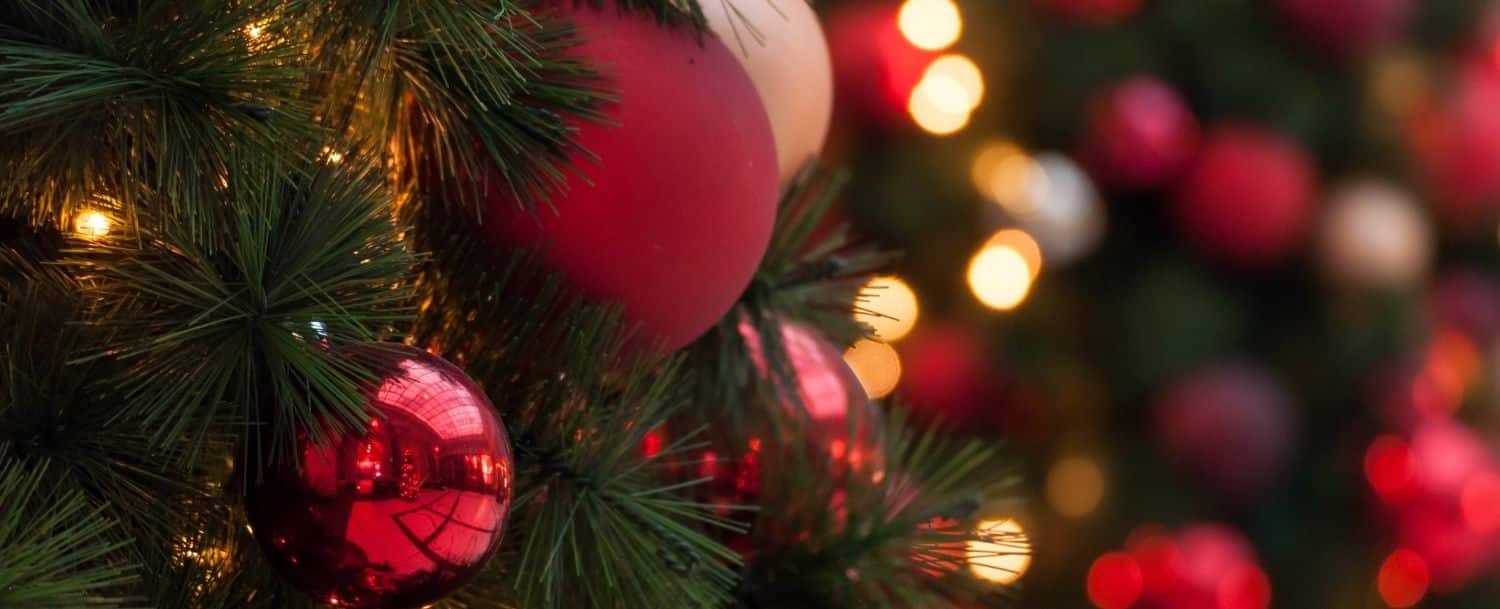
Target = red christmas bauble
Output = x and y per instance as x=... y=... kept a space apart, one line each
x=673 y=218
x=1249 y=197
x=1115 y=581
x=1094 y=12
x=1347 y=28
x=1210 y=554
x=875 y=68
x=947 y=373
x=401 y=514
x=1230 y=427
x=1140 y=134
x=1457 y=143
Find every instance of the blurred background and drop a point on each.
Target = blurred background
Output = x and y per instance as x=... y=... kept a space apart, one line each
x=1222 y=273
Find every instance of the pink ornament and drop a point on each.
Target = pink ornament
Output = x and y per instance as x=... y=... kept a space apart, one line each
x=1347 y=28
x=1231 y=427
x=1457 y=142
x=1140 y=134
x=1249 y=197
x=673 y=218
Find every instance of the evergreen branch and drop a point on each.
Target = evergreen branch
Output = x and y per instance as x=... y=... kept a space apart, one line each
x=309 y=262
x=163 y=100
x=52 y=543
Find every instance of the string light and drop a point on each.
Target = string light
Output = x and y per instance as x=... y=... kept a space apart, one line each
x=1004 y=556
x=930 y=24
x=1002 y=271
x=890 y=307
x=938 y=105
x=877 y=365
x=1075 y=486
x=1002 y=172
x=255 y=30
x=334 y=157
x=92 y=224
x=1403 y=579
x=960 y=69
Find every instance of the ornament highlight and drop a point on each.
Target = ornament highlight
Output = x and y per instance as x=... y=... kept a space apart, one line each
x=780 y=43
x=402 y=513
x=676 y=213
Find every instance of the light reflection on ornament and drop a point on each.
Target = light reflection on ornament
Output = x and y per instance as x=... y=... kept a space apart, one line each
x=930 y=24
x=889 y=306
x=877 y=365
x=92 y=224
x=1002 y=554
x=1075 y=486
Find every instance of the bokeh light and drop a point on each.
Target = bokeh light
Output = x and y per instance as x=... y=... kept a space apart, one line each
x=961 y=70
x=1000 y=277
x=1403 y=579
x=92 y=224
x=1481 y=503
x=1244 y=587
x=877 y=365
x=1075 y=486
x=939 y=105
x=889 y=306
x=1389 y=466
x=1005 y=557
x=1115 y=581
x=930 y=24
x=1001 y=172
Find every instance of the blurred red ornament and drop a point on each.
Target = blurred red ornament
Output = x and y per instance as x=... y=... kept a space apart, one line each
x=1435 y=529
x=875 y=68
x=403 y=513
x=1467 y=301
x=1248 y=199
x=1457 y=142
x=1390 y=467
x=1230 y=426
x=1446 y=456
x=1403 y=579
x=674 y=216
x=1480 y=502
x=947 y=373
x=1157 y=553
x=1097 y=12
x=1140 y=134
x=1210 y=553
x=1244 y=587
x=1347 y=28
x=1115 y=581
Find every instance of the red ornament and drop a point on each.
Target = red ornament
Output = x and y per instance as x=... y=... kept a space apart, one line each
x=1244 y=587
x=1115 y=581
x=402 y=514
x=947 y=374
x=1347 y=28
x=1210 y=553
x=1469 y=302
x=1093 y=12
x=1140 y=134
x=1249 y=197
x=674 y=216
x=875 y=68
x=1457 y=142
x=1403 y=579
x=1230 y=427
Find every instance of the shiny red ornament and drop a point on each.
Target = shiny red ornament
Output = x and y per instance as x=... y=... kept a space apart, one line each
x=1139 y=134
x=673 y=217
x=1230 y=427
x=875 y=68
x=1347 y=28
x=1249 y=197
x=1092 y=12
x=401 y=514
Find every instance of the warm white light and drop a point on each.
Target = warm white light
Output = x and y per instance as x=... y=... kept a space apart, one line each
x=334 y=157
x=877 y=365
x=939 y=105
x=1005 y=556
x=890 y=307
x=1075 y=486
x=1002 y=172
x=930 y=24
x=92 y=224
x=961 y=70
x=255 y=31
x=1001 y=272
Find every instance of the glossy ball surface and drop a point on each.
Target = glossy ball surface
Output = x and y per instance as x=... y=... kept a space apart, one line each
x=402 y=514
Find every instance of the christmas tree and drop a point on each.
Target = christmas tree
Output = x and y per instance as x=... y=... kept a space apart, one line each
x=453 y=303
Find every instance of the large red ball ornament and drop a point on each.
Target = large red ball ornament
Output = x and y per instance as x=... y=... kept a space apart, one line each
x=401 y=514
x=1140 y=134
x=781 y=45
x=1347 y=28
x=1249 y=197
x=1230 y=427
x=674 y=216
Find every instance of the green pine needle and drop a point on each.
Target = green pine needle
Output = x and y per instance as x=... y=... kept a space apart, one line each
x=52 y=543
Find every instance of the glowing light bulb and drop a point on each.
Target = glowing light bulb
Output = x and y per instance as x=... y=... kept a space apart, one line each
x=1002 y=558
x=961 y=70
x=1075 y=486
x=334 y=157
x=255 y=30
x=92 y=224
x=877 y=365
x=1002 y=172
x=939 y=105
x=999 y=277
x=889 y=306
x=930 y=24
